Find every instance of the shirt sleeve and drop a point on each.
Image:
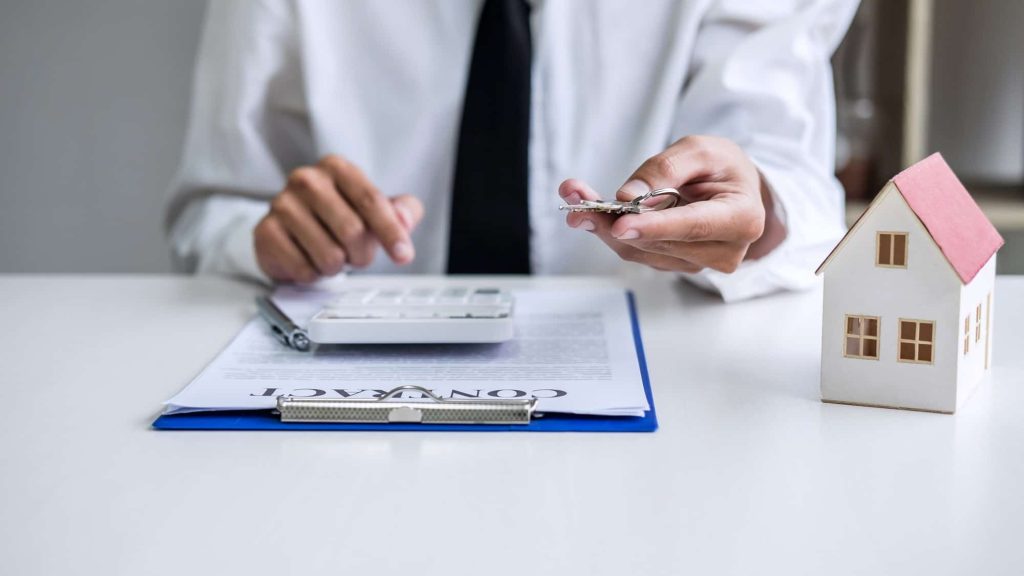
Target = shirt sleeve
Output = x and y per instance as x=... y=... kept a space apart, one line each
x=247 y=127
x=761 y=77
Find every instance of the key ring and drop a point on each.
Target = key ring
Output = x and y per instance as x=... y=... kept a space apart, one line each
x=673 y=196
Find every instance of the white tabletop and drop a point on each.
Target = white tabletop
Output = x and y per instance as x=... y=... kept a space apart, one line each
x=749 y=472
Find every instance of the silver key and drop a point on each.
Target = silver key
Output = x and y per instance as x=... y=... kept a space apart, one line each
x=670 y=197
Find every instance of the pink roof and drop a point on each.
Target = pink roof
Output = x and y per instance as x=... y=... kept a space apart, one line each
x=960 y=229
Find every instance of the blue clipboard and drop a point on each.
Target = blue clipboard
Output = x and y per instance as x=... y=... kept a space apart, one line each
x=552 y=422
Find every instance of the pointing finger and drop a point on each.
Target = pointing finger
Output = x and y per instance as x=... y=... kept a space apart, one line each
x=378 y=213
x=409 y=210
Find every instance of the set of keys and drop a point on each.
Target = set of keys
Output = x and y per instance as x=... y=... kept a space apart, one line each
x=663 y=198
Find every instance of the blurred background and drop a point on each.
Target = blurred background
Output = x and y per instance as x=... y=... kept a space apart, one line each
x=918 y=76
x=94 y=97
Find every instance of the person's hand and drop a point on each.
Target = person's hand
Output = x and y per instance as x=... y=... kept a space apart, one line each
x=330 y=215
x=720 y=221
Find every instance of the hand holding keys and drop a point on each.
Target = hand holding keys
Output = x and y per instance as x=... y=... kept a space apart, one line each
x=727 y=214
x=664 y=198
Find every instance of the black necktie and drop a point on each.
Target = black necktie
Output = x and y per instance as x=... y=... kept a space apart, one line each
x=490 y=227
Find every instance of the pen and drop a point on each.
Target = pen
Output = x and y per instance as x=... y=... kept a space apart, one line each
x=285 y=330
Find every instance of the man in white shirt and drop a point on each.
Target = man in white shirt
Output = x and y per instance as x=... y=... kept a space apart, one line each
x=322 y=131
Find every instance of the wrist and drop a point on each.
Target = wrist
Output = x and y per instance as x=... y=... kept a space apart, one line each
x=774 y=230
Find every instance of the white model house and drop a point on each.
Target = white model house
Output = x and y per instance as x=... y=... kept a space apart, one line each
x=908 y=307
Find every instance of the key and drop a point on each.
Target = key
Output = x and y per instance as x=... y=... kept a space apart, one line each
x=607 y=207
x=670 y=197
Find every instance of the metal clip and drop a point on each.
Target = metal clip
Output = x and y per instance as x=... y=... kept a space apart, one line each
x=384 y=410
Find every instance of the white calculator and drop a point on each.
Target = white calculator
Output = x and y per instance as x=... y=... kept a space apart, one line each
x=415 y=315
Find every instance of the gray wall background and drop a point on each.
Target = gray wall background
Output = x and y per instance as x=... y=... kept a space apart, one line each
x=978 y=101
x=93 y=100
x=94 y=96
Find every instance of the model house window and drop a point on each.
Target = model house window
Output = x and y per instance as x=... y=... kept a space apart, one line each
x=967 y=334
x=892 y=249
x=861 y=339
x=988 y=326
x=977 y=325
x=917 y=338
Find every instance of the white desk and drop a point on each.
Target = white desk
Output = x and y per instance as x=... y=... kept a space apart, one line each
x=748 y=474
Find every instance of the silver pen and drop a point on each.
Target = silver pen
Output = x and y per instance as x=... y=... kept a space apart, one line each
x=285 y=330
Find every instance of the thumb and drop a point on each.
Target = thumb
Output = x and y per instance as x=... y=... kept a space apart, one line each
x=682 y=162
x=409 y=210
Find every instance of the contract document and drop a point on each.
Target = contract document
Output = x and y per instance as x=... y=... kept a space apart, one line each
x=573 y=350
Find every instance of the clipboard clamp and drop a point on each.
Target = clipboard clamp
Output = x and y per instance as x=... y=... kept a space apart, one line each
x=384 y=410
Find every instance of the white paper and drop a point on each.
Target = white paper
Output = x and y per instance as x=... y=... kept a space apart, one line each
x=573 y=350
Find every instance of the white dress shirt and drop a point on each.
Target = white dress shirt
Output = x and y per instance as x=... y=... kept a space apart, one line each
x=281 y=83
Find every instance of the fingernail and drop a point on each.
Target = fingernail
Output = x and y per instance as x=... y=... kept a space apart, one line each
x=573 y=198
x=629 y=234
x=635 y=188
x=587 y=225
x=404 y=216
x=402 y=251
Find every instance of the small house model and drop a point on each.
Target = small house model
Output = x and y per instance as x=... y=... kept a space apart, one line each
x=908 y=299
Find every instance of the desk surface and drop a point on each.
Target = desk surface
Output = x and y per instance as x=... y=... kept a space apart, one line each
x=748 y=474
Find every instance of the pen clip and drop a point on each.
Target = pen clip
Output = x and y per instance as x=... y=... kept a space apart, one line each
x=279 y=333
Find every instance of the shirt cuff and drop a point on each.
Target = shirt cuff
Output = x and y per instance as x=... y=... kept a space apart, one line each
x=790 y=266
x=215 y=236
x=237 y=254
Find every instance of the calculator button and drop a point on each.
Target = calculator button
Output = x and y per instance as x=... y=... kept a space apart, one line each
x=386 y=297
x=420 y=296
x=349 y=299
x=453 y=296
x=485 y=299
